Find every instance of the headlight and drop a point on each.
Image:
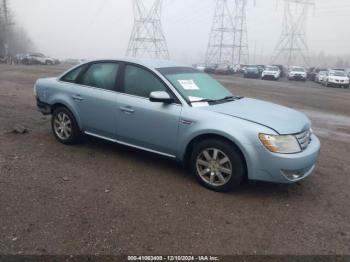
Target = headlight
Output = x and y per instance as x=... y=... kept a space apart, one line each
x=284 y=144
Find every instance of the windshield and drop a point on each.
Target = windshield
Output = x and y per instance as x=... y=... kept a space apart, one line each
x=194 y=85
x=271 y=68
x=298 y=69
x=337 y=73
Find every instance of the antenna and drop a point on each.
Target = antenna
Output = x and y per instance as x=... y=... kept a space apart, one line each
x=292 y=46
x=147 y=38
x=222 y=41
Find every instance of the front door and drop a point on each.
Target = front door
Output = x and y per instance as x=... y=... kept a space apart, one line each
x=142 y=123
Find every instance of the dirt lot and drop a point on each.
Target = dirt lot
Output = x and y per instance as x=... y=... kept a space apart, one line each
x=99 y=198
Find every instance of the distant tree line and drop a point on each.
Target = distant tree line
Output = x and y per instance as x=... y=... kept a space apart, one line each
x=13 y=39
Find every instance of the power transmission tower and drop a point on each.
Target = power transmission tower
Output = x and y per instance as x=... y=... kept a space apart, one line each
x=241 y=33
x=292 y=47
x=222 y=41
x=147 y=37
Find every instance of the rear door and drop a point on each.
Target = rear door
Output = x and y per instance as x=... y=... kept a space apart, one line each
x=96 y=99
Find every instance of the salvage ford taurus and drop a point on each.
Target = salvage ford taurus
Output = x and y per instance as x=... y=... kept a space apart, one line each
x=179 y=112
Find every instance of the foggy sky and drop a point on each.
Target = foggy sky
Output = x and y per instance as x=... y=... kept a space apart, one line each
x=101 y=28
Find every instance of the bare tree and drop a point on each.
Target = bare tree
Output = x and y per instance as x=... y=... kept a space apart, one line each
x=13 y=39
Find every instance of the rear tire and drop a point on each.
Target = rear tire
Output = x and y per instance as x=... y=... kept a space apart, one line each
x=217 y=165
x=65 y=127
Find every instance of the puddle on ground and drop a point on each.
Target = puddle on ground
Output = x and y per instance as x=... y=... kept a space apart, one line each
x=330 y=126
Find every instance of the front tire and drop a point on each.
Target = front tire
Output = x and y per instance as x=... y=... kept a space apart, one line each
x=217 y=165
x=64 y=126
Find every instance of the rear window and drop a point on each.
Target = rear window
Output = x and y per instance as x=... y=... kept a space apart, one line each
x=73 y=75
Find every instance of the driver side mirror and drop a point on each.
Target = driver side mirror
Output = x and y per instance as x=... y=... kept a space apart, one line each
x=161 y=97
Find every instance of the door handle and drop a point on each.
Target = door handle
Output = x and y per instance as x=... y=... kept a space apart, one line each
x=127 y=109
x=78 y=98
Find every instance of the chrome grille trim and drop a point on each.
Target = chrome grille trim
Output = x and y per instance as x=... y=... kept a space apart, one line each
x=304 y=138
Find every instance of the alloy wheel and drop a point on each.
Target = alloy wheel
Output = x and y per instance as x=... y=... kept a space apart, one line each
x=214 y=167
x=63 y=126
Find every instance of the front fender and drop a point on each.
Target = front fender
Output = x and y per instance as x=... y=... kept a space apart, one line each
x=244 y=134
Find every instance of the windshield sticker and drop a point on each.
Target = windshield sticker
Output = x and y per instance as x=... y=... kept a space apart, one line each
x=188 y=84
x=200 y=104
x=194 y=99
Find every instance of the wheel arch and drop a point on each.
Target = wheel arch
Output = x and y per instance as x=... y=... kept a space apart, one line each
x=59 y=104
x=201 y=137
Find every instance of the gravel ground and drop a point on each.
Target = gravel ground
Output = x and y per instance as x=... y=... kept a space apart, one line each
x=101 y=198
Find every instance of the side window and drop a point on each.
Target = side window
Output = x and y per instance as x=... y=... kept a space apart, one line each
x=72 y=76
x=140 y=82
x=101 y=75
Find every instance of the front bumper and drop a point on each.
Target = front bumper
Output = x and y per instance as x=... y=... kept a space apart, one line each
x=338 y=84
x=297 y=77
x=43 y=107
x=284 y=168
x=269 y=77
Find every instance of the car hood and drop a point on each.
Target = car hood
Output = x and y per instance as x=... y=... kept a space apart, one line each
x=270 y=72
x=279 y=118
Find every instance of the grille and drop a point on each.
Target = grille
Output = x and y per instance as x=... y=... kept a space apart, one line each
x=304 y=139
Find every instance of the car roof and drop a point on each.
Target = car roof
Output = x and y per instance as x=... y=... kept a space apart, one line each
x=150 y=63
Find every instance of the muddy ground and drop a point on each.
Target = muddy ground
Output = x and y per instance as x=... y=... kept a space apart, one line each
x=100 y=198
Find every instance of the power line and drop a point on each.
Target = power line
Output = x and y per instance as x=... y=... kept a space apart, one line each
x=147 y=38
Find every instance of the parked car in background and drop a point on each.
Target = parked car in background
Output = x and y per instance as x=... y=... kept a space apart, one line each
x=297 y=73
x=271 y=72
x=200 y=67
x=224 y=70
x=282 y=70
x=348 y=72
x=19 y=58
x=336 y=78
x=223 y=138
x=73 y=61
x=38 y=58
x=261 y=68
x=313 y=72
x=210 y=69
x=252 y=71
x=320 y=76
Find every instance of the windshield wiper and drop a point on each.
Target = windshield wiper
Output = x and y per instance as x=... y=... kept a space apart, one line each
x=226 y=98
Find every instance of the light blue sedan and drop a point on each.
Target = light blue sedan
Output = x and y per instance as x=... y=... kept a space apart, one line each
x=179 y=112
